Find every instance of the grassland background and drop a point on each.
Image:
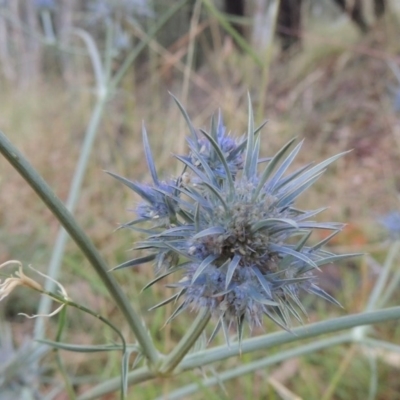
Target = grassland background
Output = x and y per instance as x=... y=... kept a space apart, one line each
x=337 y=93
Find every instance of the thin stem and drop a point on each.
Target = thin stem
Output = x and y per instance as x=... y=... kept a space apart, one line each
x=181 y=349
x=373 y=382
x=18 y=161
x=67 y=382
x=90 y=135
x=394 y=348
x=259 y=365
x=62 y=236
x=95 y=59
x=139 y=375
x=219 y=353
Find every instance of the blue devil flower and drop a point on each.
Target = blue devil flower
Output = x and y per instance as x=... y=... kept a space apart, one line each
x=231 y=231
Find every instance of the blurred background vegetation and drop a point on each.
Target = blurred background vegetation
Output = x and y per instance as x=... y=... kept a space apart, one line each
x=337 y=86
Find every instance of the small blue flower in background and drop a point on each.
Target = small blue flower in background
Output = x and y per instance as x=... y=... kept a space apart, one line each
x=391 y=222
x=230 y=229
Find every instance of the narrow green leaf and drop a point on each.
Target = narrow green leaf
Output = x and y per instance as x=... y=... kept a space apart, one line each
x=187 y=119
x=214 y=230
x=131 y=185
x=164 y=302
x=250 y=140
x=218 y=195
x=326 y=240
x=321 y=293
x=265 y=223
x=197 y=218
x=203 y=177
x=182 y=307
x=289 y=197
x=79 y=348
x=149 y=156
x=337 y=257
x=222 y=159
x=231 y=269
x=203 y=265
x=322 y=166
x=283 y=167
x=263 y=282
x=271 y=166
x=205 y=164
x=135 y=262
x=161 y=277
x=275 y=319
x=287 y=250
x=256 y=296
x=215 y=330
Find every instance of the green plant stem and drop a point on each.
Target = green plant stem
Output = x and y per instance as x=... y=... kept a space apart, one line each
x=18 y=161
x=67 y=382
x=139 y=375
x=90 y=135
x=186 y=343
x=373 y=382
x=204 y=357
x=258 y=365
x=381 y=344
x=376 y=293
x=219 y=353
x=62 y=236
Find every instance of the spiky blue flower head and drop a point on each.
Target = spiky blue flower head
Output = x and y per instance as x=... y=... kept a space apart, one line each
x=231 y=231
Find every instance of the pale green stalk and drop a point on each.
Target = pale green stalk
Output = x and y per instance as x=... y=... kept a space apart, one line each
x=209 y=356
x=173 y=359
x=219 y=353
x=53 y=203
x=258 y=365
x=394 y=348
x=79 y=174
x=373 y=382
x=139 y=375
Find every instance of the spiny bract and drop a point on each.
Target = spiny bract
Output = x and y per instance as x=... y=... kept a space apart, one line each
x=228 y=226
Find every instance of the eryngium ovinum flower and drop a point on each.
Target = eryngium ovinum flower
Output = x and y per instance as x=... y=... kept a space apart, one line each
x=229 y=230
